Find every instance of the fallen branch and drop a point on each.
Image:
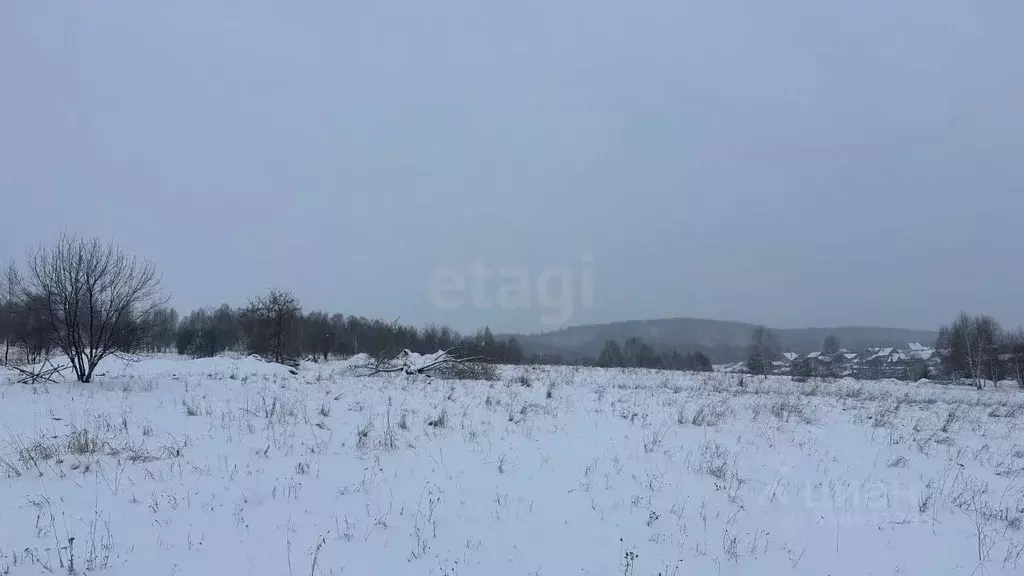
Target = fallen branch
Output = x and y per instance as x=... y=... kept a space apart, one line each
x=444 y=363
x=45 y=372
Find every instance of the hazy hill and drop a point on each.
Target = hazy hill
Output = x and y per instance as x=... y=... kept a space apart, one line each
x=722 y=341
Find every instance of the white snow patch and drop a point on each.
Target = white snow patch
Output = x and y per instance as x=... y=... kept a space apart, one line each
x=238 y=466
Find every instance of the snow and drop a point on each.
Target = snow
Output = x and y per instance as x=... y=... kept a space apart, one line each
x=920 y=353
x=882 y=353
x=414 y=362
x=790 y=356
x=238 y=466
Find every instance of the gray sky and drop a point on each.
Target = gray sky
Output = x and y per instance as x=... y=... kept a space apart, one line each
x=798 y=163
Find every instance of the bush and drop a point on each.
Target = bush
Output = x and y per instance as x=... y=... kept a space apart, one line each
x=468 y=371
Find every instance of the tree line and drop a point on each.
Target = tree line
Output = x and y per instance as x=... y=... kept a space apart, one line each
x=635 y=353
x=275 y=326
x=88 y=300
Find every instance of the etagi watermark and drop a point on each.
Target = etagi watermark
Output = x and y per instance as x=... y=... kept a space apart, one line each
x=845 y=502
x=553 y=289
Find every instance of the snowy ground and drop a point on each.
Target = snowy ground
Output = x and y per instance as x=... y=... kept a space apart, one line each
x=234 y=466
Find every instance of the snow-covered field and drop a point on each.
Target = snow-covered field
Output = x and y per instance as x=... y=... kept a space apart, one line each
x=234 y=466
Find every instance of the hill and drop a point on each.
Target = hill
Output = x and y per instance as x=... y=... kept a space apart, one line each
x=722 y=341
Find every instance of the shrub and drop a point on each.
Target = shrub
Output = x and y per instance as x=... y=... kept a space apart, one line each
x=468 y=371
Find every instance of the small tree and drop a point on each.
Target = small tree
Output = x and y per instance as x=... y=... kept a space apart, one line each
x=94 y=297
x=764 y=349
x=272 y=325
x=436 y=337
x=830 y=346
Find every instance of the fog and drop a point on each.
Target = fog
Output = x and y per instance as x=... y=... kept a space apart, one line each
x=531 y=164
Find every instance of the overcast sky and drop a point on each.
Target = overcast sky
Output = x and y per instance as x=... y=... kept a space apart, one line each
x=798 y=163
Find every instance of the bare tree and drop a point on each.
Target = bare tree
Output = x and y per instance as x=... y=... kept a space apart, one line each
x=94 y=297
x=764 y=349
x=272 y=325
x=436 y=337
x=970 y=348
x=830 y=346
